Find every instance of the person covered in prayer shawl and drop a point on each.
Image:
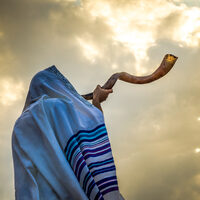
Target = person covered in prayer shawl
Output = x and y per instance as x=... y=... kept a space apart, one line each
x=60 y=145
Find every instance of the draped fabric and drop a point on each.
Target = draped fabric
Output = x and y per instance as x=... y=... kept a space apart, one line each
x=60 y=145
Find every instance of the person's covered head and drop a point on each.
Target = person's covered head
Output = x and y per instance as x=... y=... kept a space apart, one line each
x=52 y=83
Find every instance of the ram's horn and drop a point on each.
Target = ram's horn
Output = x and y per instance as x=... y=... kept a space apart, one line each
x=165 y=66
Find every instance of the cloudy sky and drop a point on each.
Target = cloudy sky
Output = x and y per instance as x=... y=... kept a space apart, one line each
x=154 y=129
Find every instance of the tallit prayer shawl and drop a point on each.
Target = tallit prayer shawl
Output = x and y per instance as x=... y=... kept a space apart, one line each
x=60 y=145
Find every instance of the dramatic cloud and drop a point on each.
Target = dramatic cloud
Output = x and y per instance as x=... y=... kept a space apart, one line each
x=10 y=91
x=154 y=128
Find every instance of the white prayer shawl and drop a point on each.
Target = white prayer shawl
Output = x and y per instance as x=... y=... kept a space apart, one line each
x=60 y=145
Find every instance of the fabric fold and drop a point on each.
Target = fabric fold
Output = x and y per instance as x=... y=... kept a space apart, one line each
x=60 y=145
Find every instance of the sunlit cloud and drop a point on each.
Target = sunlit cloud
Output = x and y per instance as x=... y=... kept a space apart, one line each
x=114 y=66
x=10 y=91
x=149 y=124
x=156 y=127
x=135 y=30
x=90 y=51
x=129 y=28
x=188 y=32
x=197 y=150
x=69 y=1
x=135 y=25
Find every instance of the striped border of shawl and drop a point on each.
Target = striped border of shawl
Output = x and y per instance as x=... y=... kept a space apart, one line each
x=96 y=144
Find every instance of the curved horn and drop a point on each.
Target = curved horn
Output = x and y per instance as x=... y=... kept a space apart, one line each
x=165 y=66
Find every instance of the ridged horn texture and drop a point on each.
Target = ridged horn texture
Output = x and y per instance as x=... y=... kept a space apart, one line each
x=165 y=66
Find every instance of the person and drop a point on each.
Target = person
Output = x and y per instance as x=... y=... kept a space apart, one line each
x=60 y=145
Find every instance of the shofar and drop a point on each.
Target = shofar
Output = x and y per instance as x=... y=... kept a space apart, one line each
x=165 y=66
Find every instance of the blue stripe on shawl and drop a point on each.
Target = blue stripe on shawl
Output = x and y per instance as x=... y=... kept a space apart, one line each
x=95 y=150
x=77 y=137
x=87 y=176
x=106 y=169
x=110 y=189
x=99 y=163
x=90 y=155
x=78 y=164
x=80 y=170
x=98 y=195
x=91 y=144
x=93 y=174
x=105 y=185
x=106 y=179
x=90 y=187
x=83 y=131
x=97 y=154
x=81 y=136
x=76 y=144
x=79 y=148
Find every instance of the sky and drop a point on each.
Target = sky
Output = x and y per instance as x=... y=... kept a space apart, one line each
x=154 y=128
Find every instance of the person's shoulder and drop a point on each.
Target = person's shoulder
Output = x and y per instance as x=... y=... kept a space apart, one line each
x=56 y=103
x=47 y=102
x=37 y=109
x=24 y=120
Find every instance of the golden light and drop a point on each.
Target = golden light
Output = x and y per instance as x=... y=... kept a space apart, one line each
x=134 y=25
x=114 y=66
x=170 y=58
x=66 y=1
x=99 y=8
x=129 y=28
x=157 y=127
x=188 y=32
x=89 y=50
x=198 y=118
x=10 y=91
x=197 y=150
